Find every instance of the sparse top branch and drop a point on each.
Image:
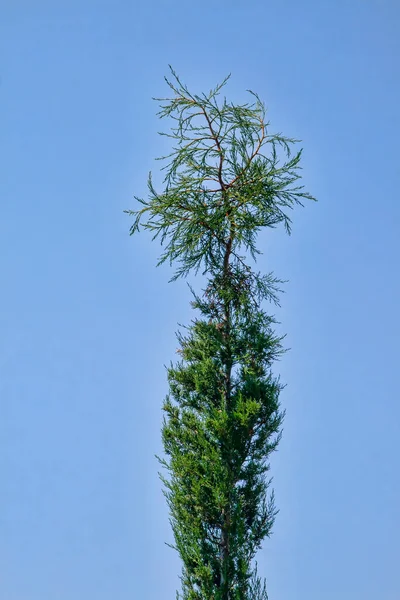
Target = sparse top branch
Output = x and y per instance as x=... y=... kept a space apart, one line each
x=226 y=177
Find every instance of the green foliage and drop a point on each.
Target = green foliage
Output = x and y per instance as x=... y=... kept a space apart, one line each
x=226 y=178
x=224 y=175
x=217 y=445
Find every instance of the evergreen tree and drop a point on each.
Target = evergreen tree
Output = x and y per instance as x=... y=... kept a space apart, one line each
x=227 y=177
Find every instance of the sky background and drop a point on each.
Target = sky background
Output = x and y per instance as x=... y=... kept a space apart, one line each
x=87 y=321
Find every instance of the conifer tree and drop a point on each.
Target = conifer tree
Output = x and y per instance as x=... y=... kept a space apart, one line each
x=226 y=179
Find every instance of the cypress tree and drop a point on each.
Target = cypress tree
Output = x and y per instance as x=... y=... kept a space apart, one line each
x=227 y=177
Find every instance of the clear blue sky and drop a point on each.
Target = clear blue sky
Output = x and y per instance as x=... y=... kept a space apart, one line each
x=87 y=321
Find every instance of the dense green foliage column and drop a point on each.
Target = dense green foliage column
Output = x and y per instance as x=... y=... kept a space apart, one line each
x=226 y=178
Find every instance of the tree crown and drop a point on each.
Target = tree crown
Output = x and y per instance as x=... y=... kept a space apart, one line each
x=226 y=177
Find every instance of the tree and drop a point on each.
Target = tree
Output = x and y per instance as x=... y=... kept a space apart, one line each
x=226 y=178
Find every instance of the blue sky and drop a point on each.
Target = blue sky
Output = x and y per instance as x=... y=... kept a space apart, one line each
x=87 y=321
